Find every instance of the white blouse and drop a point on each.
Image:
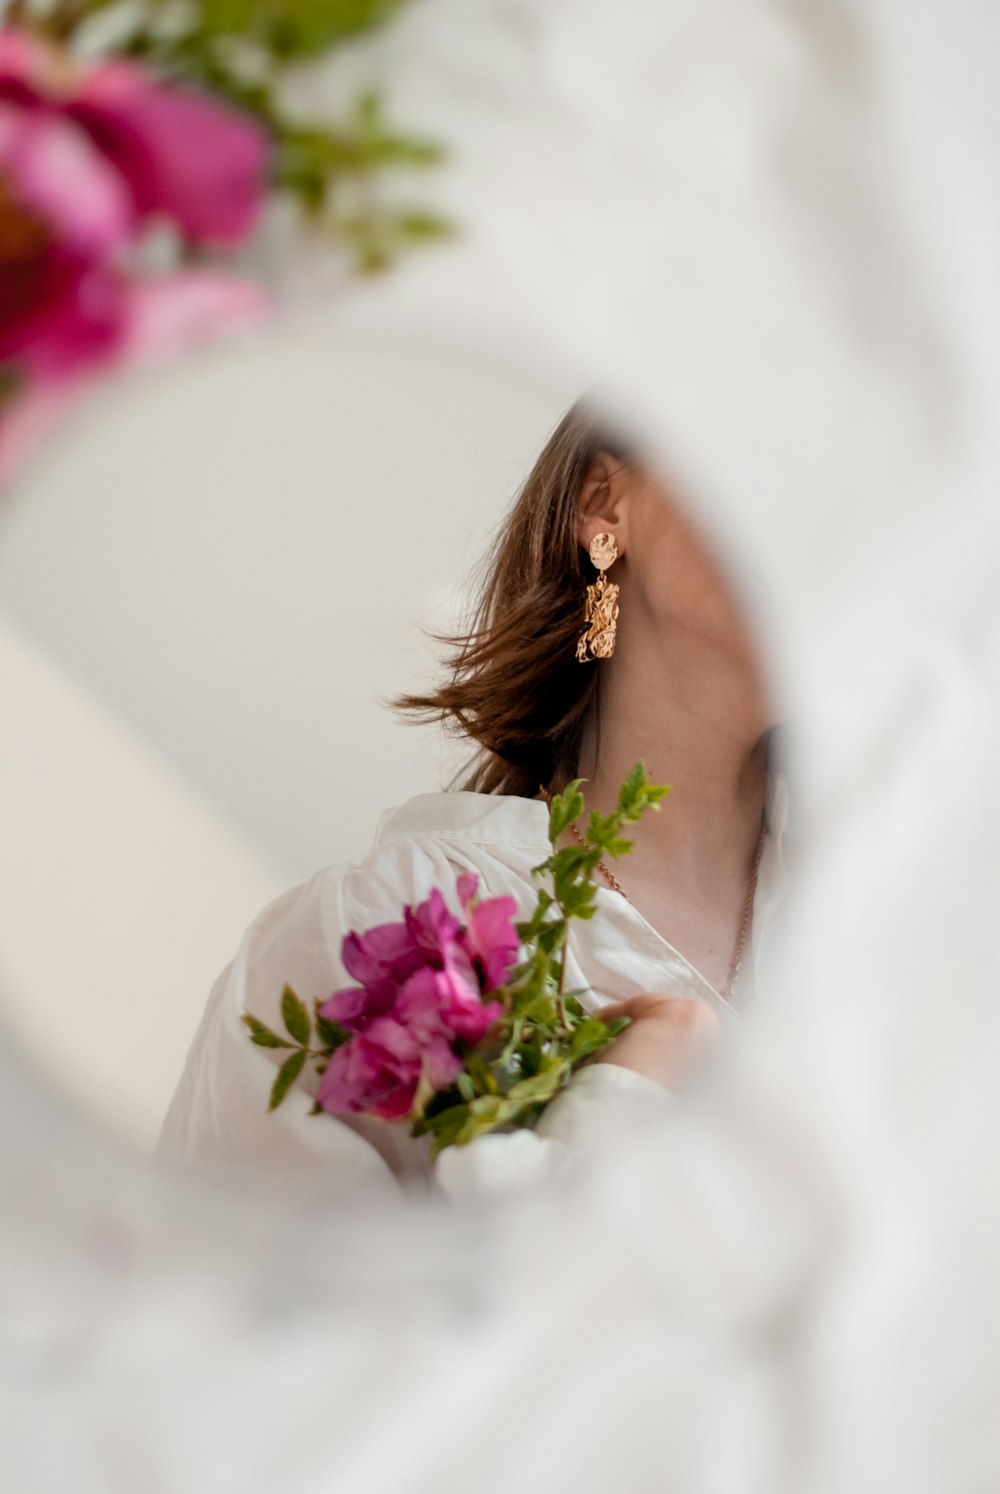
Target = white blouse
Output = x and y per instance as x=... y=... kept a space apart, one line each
x=218 y=1114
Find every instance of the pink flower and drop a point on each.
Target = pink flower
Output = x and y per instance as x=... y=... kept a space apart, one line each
x=377 y=1072
x=418 y=1001
x=441 y=1003
x=175 y=151
x=491 y=938
x=63 y=216
x=87 y=158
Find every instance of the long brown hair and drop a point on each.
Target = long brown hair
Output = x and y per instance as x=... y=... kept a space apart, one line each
x=513 y=685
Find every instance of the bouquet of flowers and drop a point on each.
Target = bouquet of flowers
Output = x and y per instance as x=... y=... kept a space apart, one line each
x=463 y=1027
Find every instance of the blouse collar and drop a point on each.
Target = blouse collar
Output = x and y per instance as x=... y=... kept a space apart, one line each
x=495 y=820
x=505 y=819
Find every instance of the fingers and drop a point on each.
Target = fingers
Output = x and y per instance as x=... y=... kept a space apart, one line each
x=678 y=1011
x=642 y=1006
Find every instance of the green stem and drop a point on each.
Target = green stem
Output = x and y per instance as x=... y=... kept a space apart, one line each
x=512 y=1041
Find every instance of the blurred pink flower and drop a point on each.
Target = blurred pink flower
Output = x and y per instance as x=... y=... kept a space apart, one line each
x=88 y=156
x=175 y=151
x=421 y=993
x=64 y=215
x=377 y=1072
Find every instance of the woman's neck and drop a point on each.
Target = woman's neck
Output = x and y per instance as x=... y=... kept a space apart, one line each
x=697 y=719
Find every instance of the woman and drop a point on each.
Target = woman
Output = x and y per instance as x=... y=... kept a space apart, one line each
x=559 y=677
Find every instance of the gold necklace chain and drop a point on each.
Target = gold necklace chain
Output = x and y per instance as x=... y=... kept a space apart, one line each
x=736 y=964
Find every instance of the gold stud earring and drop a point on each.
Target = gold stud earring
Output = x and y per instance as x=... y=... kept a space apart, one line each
x=597 y=641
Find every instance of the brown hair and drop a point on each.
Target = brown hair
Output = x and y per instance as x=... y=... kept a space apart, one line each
x=513 y=685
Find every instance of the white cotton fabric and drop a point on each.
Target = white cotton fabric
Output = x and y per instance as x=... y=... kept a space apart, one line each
x=218 y=1113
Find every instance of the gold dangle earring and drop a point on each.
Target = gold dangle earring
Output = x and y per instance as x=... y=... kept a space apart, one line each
x=597 y=641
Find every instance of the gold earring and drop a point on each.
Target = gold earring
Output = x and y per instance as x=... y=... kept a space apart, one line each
x=597 y=641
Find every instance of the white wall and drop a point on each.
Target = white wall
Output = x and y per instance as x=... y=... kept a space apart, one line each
x=240 y=557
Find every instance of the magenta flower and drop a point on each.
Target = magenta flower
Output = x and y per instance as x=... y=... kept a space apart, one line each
x=88 y=157
x=419 y=1000
x=491 y=938
x=63 y=217
x=175 y=152
x=377 y=1072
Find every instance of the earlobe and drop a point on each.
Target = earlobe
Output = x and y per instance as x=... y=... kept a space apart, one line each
x=602 y=502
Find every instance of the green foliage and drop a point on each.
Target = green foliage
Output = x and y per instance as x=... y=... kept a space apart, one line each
x=331 y=1034
x=546 y=1034
x=261 y=1035
x=340 y=176
x=298 y=1025
x=295 y=1016
x=294 y=29
x=287 y=1075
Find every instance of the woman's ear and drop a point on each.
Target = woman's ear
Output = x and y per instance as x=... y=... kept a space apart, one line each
x=603 y=502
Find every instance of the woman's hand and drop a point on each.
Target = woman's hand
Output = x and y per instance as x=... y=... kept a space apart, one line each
x=666 y=1038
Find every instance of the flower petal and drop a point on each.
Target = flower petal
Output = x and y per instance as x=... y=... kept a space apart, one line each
x=385 y=952
x=54 y=172
x=432 y=926
x=26 y=65
x=349 y=1007
x=492 y=940
x=60 y=315
x=375 y=1073
x=181 y=153
x=167 y=313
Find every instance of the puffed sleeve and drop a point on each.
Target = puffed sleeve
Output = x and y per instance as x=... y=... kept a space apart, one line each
x=218 y=1115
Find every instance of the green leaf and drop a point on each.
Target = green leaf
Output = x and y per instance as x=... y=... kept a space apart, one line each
x=578 y=898
x=566 y=807
x=261 y=1035
x=631 y=789
x=538 y=1008
x=571 y=860
x=415 y=227
x=589 y=1038
x=294 y=28
x=527 y=930
x=484 y=1114
x=444 y=1126
x=295 y=1016
x=331 y=1033
x=637 y=794
x=287 y=1075
x=480 y=1075
x=466 y=1087
x=540 y=1086
x=552 y=937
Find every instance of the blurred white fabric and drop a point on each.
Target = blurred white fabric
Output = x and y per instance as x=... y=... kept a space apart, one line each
x=792 y=1286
